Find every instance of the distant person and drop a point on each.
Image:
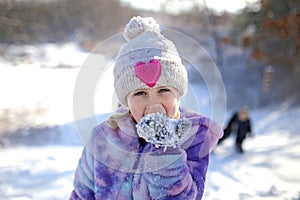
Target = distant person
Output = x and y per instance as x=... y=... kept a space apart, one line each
x=150 y=147
x=241 y=125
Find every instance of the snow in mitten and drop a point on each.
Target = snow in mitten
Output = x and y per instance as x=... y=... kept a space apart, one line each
x=162 y=131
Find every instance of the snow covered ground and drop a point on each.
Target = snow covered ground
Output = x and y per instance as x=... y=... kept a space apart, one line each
x=269 y=168
x=38 y=161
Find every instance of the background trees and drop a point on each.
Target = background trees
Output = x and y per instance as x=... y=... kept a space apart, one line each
x=270 y=29
x=57 y=21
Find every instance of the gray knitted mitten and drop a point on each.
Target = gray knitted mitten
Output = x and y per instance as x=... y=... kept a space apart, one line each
x=162 y=131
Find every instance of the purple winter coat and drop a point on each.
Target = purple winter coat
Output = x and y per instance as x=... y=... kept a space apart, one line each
x=116 y=164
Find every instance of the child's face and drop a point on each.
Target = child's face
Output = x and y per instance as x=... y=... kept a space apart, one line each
x=163 y=100
x=243 y=115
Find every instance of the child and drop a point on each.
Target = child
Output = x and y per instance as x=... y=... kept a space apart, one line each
x=241 y=124
x=150 y=147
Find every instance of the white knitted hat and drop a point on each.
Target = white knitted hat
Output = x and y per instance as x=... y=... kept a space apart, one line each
x=147 y=60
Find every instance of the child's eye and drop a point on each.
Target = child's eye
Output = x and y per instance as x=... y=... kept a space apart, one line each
x=162 y=90
x=140 y=93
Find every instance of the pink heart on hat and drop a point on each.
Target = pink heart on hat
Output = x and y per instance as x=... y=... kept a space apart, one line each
x=148 y=73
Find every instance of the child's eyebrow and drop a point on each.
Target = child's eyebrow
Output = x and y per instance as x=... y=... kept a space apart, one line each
x=164 y=87
x=139 y=90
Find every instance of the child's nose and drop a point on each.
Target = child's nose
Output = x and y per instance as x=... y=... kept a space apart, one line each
x=154 y=105
x=155 y=108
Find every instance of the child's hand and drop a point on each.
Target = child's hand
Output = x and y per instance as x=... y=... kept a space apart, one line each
x=161 y=130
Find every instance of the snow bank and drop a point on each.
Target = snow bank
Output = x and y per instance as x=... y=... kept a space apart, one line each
x=269 y=167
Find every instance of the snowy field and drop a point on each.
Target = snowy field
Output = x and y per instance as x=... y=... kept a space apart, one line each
x=269 y=168
x=38 y=160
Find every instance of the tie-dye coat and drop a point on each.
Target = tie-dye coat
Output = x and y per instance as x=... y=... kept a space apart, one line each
x=116 y=164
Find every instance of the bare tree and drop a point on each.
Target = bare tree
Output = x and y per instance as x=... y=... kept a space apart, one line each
x=211 y=24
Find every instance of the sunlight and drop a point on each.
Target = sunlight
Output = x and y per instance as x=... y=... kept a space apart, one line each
x=226 y=5
x=217 y=5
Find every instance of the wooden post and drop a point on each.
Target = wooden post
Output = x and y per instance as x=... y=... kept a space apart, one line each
x=268 y=76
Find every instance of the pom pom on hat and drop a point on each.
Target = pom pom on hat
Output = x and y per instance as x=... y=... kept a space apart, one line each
x=146 y=45
x=138 y=25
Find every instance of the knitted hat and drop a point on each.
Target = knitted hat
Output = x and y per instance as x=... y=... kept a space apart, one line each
x=148 y=60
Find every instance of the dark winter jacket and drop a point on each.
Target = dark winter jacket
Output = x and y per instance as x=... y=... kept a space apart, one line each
x=242 y=128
